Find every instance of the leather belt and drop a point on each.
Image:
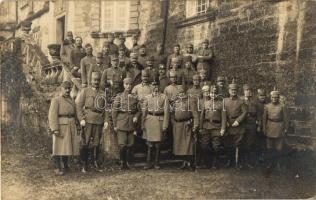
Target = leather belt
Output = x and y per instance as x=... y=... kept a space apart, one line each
x=95 y=110
x=129 y=112
x=182 y=120
x=155 y=113
x=275 y=120
x=67 y=116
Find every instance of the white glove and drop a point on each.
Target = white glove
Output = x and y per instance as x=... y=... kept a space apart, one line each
x=235 y=124
x=105 y=125
x=83 y=123
x=222 y=132
x=134 y=119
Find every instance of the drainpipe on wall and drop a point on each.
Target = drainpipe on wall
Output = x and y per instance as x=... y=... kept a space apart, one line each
x=165 y=22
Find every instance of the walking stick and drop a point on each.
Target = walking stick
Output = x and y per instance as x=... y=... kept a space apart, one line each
x=236 y=156
x=195 y=151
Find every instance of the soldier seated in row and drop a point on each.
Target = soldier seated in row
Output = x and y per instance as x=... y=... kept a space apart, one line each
x=155 y=121
x=90 y=105
x=125 y=114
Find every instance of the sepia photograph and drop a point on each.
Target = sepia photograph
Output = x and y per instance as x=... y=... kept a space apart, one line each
x=158 y=99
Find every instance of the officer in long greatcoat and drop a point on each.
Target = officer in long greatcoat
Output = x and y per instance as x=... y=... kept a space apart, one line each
x=155 y=121
x=213 y=120
x=62 y=123
x=90 y=104
x=125 y=114
x=185 y=123
x=236 y=114
x=275 y=127
x=261 y=142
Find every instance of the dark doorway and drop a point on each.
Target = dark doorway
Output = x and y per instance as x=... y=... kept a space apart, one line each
x=60 y=32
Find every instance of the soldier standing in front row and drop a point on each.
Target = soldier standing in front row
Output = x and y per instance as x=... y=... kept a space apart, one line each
x=275 y=127
x=213 y=125
x=250 y=138
x=62 y=123
x=155 y=122
x=90 y=104
x=125 y=114
x=236 y=113
x=185 y=124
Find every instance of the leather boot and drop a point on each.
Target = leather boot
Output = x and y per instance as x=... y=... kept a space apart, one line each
x=65 y=163
x=127 y=157
x=215 y=161
x=148 y=160
x=58 y=170
x=157 y=154
x=122 y=158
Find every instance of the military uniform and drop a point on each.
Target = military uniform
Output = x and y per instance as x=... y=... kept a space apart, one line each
x=188 y=77
x=275 y=121
x=213 y=119
x=113 y=48
x=155 y=122
x=85 y=64
x=236 y=114
x=66 y=51
x=275 y=126
x=108 y=75
x=62 y=114
x=90 y=104
x=125 y=109
x=174 y=56
x=62 y=123
x=184 y=122
x=203 y=59
x=75 y=58
x=134 y=72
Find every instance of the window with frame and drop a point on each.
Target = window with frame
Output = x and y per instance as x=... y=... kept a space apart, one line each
x=115 y=15
x=202 y=6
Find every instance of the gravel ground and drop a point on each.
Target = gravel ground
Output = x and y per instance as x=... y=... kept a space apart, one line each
x=30 y=176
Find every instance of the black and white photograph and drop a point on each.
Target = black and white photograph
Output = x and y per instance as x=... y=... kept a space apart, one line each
x=158 y=99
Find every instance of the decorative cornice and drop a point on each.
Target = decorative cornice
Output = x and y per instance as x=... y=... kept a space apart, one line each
x=96 y=34
x=209 y=16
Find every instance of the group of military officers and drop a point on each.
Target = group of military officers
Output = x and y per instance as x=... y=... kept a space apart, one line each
x=161 y=98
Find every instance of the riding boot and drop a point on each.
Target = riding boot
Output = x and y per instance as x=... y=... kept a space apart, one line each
x=215 y=161
x=65 y=163
x=84 y=157
x=122 y=158
x=230 y=158
x=157 y=154
x=148 y=159
x=95 y=157
x=58 y=170
x=128 y=155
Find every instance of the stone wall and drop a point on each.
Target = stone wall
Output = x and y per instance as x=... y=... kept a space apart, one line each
x=263 y=43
